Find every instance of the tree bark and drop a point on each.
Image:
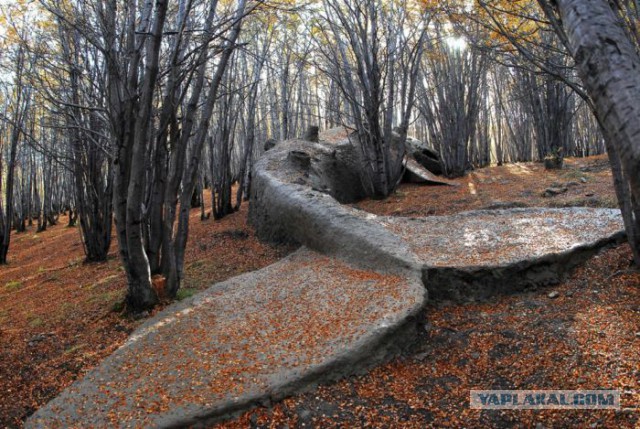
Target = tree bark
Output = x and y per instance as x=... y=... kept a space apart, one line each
x=609 y=65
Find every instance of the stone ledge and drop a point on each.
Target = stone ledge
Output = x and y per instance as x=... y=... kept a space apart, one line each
x=479 y=254
x=250 y=340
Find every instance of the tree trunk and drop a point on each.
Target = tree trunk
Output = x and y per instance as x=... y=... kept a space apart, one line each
x=608 y=65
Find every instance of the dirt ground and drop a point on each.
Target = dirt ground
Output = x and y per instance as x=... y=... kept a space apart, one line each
x=587 y=181
x=60 y=317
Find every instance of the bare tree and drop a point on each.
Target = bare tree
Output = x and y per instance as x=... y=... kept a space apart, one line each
x=184 y=178
x=87 y=131
x=451 y=94
x=607 y=61
x=361 y=53
x=16 y=115
x=252 y=74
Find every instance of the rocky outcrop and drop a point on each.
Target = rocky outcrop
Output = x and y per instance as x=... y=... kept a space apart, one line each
x=466 y=256
x=305 y=204
x=351 y=301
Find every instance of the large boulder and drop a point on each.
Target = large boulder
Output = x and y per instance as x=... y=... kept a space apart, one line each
x=350 y=147
x=337 y=169
x=425 y=156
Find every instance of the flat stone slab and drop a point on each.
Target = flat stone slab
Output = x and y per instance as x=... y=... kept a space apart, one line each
x=479 y=254
x=249 y=340
x=493 y=238
x=419 y=174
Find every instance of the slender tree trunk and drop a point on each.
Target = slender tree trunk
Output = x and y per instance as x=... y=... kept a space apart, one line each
x=190 y=177
x=20 y=108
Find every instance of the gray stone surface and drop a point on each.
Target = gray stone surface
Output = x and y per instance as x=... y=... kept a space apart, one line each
x=492 y=238
x=471 y=255
x=478 y=254
x=317 y=316
x=250 y=340
x=426 y=157
x=286 y=207
x=416 y=173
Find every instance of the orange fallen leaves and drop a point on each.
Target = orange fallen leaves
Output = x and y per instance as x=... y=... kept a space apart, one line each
x=58 y=322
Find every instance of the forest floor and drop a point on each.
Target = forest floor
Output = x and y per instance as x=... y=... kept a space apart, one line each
x=60 y=317
x=587 y=181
